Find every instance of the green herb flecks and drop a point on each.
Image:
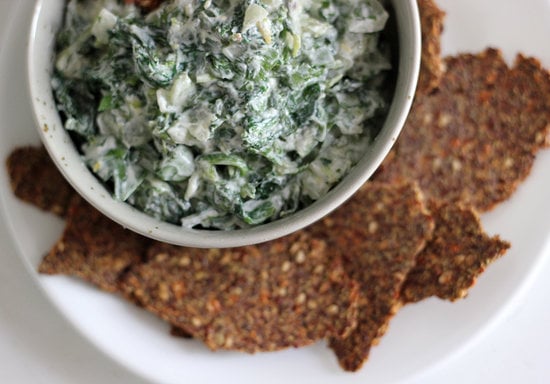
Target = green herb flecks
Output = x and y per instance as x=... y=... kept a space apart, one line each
x=221 y=114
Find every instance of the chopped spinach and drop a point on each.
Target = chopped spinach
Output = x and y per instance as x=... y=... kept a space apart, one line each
x=221 y=113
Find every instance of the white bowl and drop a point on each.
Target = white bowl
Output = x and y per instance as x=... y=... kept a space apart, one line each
x=46 y=21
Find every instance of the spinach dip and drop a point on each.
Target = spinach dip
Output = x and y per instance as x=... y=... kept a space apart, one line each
x=222 y=114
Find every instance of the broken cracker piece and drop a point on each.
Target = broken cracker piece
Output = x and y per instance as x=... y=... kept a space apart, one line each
x=475 y=139
x=35 y=179
x=378 y=233
x=431 y=64
x=456 y=255
x=285 y=293
x=93 y=248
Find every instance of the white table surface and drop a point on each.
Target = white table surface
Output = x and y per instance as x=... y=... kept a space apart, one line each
x=38 y=346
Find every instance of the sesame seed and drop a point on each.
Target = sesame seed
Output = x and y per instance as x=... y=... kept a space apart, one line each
x=300 y=257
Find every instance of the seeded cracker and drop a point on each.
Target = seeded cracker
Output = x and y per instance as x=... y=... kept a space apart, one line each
x=284 y=293
x=378 y=232
x=35 y=179
x=431 y=67
x=93 y=248
x=458 y=252
x=475 y=139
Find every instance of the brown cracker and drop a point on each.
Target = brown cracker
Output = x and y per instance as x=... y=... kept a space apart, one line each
x=474 y=73
x=456 y=255
x=284 y=293
x=93 y=248
x=378 y=233
x=431 y=65
x=474 y=140
x=35 y=179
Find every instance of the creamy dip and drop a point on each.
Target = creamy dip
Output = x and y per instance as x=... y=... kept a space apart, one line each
x=222 y=113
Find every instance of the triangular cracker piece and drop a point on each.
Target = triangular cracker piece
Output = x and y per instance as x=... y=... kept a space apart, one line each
x=285 y=293
x=93 y=248
x=378 y=232
x=453 y=259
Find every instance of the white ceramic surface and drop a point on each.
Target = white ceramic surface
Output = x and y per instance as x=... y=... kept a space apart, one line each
x=420 y=337
x=46 y=20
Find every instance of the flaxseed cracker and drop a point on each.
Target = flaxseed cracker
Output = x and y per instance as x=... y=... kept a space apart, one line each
x=378 y=233
x=93 y=248
x=453 y=259
x=475 y=139
x=431 y=64
x=285 y=293
x=35 y=179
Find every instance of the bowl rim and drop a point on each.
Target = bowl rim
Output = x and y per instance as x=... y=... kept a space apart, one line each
x=45 y=20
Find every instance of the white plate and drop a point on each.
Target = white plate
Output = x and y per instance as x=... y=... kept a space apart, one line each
x=420 y=337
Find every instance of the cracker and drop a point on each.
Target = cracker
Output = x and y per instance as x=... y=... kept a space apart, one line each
x=35 y=179
x=453 y=259
x=475 y=139
x=378 y=233
x=284 y=293
x=474 y=73
x=431 y=65
x=528 y=87
x=93 y=248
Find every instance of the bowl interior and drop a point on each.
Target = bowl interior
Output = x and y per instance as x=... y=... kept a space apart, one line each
x=46 y=21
